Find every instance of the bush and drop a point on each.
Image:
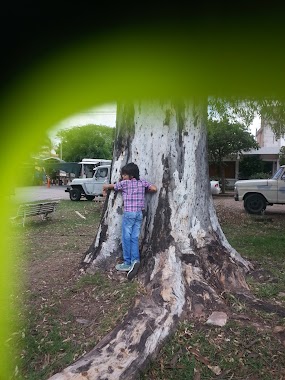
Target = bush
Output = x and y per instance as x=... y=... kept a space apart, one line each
x=249 y=165
x=260 y=176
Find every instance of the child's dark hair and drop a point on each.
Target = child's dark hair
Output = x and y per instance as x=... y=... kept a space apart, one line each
x=131 y=170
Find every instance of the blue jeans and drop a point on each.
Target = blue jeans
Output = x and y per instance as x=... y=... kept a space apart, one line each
x=130 y=236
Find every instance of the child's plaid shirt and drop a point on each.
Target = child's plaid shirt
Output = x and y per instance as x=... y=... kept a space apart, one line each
x=133 y=193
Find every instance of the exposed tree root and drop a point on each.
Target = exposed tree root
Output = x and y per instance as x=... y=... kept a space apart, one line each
x=176 y=290
x=125 y=350
x=258 y=304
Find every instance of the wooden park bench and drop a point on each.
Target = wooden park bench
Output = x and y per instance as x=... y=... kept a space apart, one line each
x=32 y=209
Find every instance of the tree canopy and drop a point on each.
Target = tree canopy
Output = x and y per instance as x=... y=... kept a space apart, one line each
x=90 y=141
x=282 y=155
x=250 y=166
x=233 y=109
x=226 y=139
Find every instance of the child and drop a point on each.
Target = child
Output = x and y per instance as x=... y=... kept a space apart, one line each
x=133 y=190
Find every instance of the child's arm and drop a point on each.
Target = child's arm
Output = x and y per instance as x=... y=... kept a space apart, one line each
x=107 y=186
x=152 y=189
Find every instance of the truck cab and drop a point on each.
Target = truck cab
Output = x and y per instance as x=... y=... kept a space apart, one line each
x=90 y=186
x=257 y=194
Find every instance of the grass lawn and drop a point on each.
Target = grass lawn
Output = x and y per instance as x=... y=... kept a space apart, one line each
x=61 y=314
x=252 y=345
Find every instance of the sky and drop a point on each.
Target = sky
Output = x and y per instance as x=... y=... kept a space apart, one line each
x=105 y=115
x=255 y=125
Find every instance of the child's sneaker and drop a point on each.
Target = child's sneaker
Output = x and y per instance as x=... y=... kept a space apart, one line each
x=123 y=267
x=133 y=270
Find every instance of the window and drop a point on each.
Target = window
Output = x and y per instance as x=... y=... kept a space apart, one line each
x=102 y=173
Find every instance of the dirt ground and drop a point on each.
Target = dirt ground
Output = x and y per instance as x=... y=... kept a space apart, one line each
x=80 y=309
x=229 y=203
x=61 y=307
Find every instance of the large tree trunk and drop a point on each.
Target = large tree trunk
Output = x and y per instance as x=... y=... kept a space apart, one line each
x=186 y=261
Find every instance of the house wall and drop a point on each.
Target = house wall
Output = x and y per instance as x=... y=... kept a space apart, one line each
x=229 y=170
x=266 y=138
x=230 y=173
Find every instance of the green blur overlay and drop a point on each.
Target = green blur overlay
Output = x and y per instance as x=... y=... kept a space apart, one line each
x=156 y=62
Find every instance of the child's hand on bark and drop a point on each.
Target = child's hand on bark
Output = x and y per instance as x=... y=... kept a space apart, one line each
x=104 y=190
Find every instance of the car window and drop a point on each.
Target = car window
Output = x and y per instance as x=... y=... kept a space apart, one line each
x=101 y=173
x=277 y=174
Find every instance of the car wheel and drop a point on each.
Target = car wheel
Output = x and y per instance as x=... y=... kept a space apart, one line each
x=254 y=204
x=75 y=194
x=90 y=197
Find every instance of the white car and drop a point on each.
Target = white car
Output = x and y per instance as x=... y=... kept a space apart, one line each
x=215 y=187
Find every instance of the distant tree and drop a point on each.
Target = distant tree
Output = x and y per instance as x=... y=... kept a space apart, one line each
x=46 y=148
x=33 y=166
x=89 y=141
x=282 y=155
x=234 y=108
x=250 y=165
x=226 y=139
x=50 y=167
x=274 y=112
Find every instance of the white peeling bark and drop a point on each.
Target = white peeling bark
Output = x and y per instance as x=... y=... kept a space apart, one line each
x=186 y=260
x=157 y=138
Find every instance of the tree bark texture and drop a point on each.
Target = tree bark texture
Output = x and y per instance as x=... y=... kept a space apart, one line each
x=186 y=261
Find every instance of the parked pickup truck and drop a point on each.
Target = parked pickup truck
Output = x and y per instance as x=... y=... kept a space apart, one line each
x=89 y=187
x=257 y=194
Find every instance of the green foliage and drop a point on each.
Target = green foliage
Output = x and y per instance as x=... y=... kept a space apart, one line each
x=271 y=110
x=249 y=166
x=282 y=155
x=260 y=175
x=45 y=148
x=89 y=141
x=233 y=109
x=49 y=169
x=226 y=139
